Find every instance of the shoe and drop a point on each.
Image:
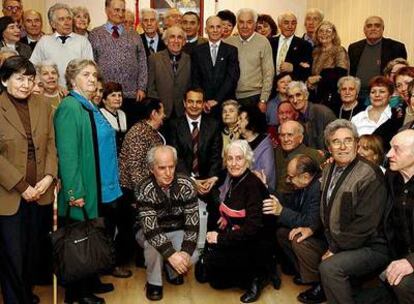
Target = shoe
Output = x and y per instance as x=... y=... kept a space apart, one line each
x=253 y=293
x=35 y=299
x=313 y=295
x=91 y=299
x=178 y=280
x=154 y=292
x=122 y=273
x=298 y=281
x=103 y=287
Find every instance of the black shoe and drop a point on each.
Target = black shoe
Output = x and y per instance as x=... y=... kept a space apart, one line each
x=298 y=281
x=178 y=280
x=103 y=287
x=313 y=295
x=154 y=292
x=253 y=293
x=122 y=273
x=91 y=299
x=35 y=299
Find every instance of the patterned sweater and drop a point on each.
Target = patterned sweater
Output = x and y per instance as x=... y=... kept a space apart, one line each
x=159 y=213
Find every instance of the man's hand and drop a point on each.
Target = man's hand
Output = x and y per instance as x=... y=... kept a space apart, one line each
x=272 y=206
x=397 y=270
x=140 y=95
x=209 y=105
x=80 y=202
x=179 y=262
x=304 y=233
x=204 y=185
x=31 y=194
x=327 y=255
x=212 y=237
x=44 y=184
x=262 y=106
x=286 y=67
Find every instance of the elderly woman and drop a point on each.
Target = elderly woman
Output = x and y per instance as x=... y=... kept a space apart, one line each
x=81 y=20
x=390 y=71
x=235 y=255
x=6 y=52
x=252 y=127
x=348 y=89
x=403 y=77
x=88 y=166
x=266 y=26
x=371 y=148
x=228 y=22
x=10 y=37
x=330 y=62
x=230 y=117
x=49 y=77
x=28 y=167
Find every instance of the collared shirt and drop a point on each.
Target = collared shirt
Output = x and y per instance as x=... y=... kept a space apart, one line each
x=365 y=125
x=192 y=40
x=248 y=39
x=282 y=40
x=109 y=25
x=154 y=45
x=308 y=38
x=190 y=122
x=211 y=47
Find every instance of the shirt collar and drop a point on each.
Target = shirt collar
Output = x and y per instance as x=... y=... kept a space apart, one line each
x=192 y=40
x=155 y=38
x=190 y=120
x=216 y=43
x=288 y=39
x=248 y=39
x=57 y=35
x=109 y=25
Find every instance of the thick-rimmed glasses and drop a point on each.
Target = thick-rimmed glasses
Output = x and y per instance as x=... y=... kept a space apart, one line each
x=348 y=142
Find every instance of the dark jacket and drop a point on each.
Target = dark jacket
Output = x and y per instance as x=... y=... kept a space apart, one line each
x=161 y=45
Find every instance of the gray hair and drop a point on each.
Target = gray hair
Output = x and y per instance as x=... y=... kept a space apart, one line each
x=390 y=65
x=148 y=11
x=81 y=9
x=7 y=50
x=282 y=16
x=29 y=11
x=298 y=127
x=337 y=124
x=244 y=146
x=300 y=85
x=231 y=102
x=316 y=11
x=166 y=33
x=52 y=10
x=355 y=80
x=75 y=66
x=248 y=11
x=170 y=12
x=151 y=154
x=46 y=63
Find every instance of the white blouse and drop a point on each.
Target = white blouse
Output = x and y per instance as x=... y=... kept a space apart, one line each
x=365 y=125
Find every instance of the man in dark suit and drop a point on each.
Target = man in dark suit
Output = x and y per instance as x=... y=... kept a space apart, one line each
x=32 y=22
x=368 y=57
x=215 y=67
x=198 y=141
x=191 y=27
x=291 y=53
x=150 y=38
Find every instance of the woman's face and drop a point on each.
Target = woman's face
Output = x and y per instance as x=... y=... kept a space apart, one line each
x=282 y=84
x=366 y=152
x=97 y=97
x=229 y=115
x=379 y=96
x=38 y=87
x=243 y=121
x=348 y=92
x=158 y=118
x=12 y=33
x=113 y=101
x=80 y=21
x=264 y=29
x=49 y=77
x=19 y=85
x=236 y=162
x=394 y=71
x=85 y=81
x=401 y=84
x=227 y=28
x=325 y=34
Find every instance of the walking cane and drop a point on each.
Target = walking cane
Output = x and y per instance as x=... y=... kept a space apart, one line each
x=55 y=218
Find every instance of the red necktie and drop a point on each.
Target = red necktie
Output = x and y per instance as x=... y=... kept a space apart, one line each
x=115 y=32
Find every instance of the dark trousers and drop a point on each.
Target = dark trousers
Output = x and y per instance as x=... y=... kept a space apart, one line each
x=19 y=235
x=250 y=101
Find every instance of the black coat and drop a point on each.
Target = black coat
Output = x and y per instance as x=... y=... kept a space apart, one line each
x=161 y=45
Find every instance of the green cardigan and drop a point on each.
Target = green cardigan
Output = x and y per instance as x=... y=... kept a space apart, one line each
x=76 y=159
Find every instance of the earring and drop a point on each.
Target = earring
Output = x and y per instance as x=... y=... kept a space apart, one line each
x=4 y=84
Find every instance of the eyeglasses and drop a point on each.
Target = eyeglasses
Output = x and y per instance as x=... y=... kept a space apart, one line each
x=336 y=143
x=13 y=8
x=327 y=31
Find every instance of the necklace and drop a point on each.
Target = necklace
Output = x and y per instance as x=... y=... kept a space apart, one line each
x=235 y=186
x=352 y=111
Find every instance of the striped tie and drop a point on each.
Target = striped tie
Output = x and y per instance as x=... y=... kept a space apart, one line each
x=195 y=139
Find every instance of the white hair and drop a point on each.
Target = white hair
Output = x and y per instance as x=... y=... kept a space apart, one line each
x=243 y=146
x=248 y=11
x=316 y=11
x=166 y=33
x=151 y=154
x=148 y=11
x=282 y=16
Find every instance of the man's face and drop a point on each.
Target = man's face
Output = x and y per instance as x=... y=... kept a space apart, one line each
x=312 y=21
x=149 y=23
x=298 y=99
x=246 y=25
x=175 y=40
x=129 y=21
x=164 y=167
x=343 y=147
x=190 y=26
x=214 y=29
x=194 y=104
x=289 y=135
x=116 y=12
x=373 y=29
x=62 y=22
x=288 y=25
x=298 y=180
x=32 y=23
x=286 y=112
x=174 y=18
x=13 y=9
x=401 y=154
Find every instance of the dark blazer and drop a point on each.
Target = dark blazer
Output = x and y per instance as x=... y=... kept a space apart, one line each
x=390 y=49
x=189 y=46
x=161 y=45
x=163 y=84
x=24 y=40
x=300 y=51
x=219 y=82
x=210 y=146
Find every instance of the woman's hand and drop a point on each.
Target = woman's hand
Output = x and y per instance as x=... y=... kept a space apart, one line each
x=44 y=184
x=212 y=237
x=31 y=194
x=272 y=206
x=80 y=202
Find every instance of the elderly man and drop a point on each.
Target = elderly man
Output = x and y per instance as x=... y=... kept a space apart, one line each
x=169 y=221
x=191 y=27
x=215 y=67
x=63 y=45
x=368 y=57
x=291 y=134
x=400 y=181
x=313 y=17
x=314 y=117
x=173 y=16
x=121 y=57
x=169 y=73
x=150 y=38
x=32 y=22
x=353 y=204
x=290 y=53
x=255 y=60
x=129 y=21
x=14 y=9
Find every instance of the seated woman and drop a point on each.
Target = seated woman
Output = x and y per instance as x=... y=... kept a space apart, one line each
x=235 y=255
x=230 y=115
x=348 y=89
x=266 y=26
x=49 y=77
x=371 y=148
x=10 y=37
x=330 y=62
x=252 y=126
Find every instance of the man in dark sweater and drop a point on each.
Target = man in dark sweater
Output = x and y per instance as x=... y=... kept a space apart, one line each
x=169 y=221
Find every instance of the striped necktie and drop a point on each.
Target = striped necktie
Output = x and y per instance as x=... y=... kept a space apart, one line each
x=195 y=136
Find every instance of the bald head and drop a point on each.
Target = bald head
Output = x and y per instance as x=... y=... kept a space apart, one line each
x=401 y=154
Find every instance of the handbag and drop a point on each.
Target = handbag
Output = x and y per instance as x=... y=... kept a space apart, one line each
x=81 y=249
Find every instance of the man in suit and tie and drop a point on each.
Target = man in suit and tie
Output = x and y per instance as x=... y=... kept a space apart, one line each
x=198 y=141
x=169 y=73
x=290 y=53
x=150 y=38
x=215 y=67
x=32 y=22
x=191 y=27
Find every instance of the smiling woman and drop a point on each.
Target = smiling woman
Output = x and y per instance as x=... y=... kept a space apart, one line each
x=10 y=36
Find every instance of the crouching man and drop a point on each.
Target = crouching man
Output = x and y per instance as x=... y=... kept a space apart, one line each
x=169 y=220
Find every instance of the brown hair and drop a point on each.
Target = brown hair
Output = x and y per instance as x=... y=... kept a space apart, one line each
x=382 y=81
x=374 y=143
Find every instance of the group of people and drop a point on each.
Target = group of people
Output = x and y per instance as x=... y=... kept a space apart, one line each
x=302 y=151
